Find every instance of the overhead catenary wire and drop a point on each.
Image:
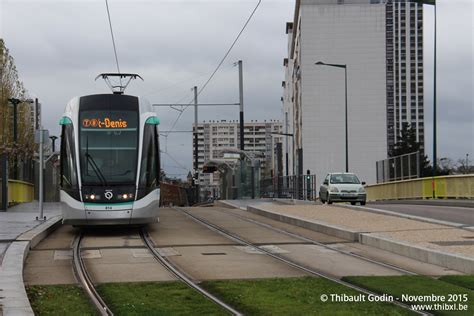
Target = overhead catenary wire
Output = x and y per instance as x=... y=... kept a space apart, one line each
x=220 y=63
x=230 y=48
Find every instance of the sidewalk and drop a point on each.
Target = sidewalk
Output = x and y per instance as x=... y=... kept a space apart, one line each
x=435 y=243
x=19 y=230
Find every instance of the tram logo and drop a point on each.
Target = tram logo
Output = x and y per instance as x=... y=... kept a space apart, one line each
x=105 y=123
x=108 y=195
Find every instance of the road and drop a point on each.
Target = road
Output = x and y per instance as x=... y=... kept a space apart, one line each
x=456 y=214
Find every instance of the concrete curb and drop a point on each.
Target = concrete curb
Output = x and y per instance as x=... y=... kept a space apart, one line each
x=440 y=258
x=225 y=204
x=293 y=201
x=14 y=300
x=313 y=225
x=452 y=261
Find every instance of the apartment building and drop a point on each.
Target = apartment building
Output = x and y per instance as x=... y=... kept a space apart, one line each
x=214 y=136
x=380 y=42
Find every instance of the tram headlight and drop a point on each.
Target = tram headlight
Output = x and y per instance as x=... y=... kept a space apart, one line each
x=125 y=196
x=92 y=197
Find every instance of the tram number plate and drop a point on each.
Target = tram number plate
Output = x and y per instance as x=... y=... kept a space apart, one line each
x=108 y=207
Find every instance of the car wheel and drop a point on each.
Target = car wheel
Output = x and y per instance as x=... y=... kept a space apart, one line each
x=362 y=203
x=321 y=198
x=353 y=203
x=327 y=199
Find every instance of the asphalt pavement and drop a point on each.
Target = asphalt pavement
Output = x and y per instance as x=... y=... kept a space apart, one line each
x=457 y=214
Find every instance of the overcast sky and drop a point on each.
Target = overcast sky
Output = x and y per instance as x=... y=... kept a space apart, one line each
x=60 y=46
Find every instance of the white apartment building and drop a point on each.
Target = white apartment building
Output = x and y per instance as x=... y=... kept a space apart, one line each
x=380 y=42
x=213 y=136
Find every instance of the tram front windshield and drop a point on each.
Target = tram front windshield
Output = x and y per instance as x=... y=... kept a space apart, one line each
x=108 y=147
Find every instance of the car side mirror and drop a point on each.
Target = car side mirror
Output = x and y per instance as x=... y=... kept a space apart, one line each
x=325 y=182
x=363 y=183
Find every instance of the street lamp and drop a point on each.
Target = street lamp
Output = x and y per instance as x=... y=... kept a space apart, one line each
x=53 y=139
x=15 y=102
x=320 y=63
x=433 y=3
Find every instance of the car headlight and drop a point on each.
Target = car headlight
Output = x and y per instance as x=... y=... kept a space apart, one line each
x=361 y=190
x=333 y=189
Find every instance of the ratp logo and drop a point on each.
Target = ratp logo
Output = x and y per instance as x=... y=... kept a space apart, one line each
x=108 y=195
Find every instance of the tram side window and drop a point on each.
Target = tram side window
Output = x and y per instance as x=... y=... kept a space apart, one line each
x=150 y=166
x=68 y=166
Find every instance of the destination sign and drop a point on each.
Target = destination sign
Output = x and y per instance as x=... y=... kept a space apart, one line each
x=104 y=123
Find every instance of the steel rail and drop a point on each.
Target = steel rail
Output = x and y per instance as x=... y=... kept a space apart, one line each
x=181 y=276
x=84 y=279
x=288 y=261
x=317 y=243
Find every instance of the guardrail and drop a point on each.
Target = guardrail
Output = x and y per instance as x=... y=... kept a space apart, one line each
x=19 y=191
x=442 y=187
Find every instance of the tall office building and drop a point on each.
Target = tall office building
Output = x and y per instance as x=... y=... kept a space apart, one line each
x=213 y=136
x=380 y=42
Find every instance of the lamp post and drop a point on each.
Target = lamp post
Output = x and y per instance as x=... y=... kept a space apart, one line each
x=320 y=63
x=53 y=139
x=433 y=3
x=15 y=102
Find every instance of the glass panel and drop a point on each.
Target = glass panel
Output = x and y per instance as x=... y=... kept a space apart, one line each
x=68 y=162
x=108 y=147
x=150 y=165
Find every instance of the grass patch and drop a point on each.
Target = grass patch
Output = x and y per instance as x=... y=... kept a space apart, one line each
x=294 y=296
x=466 y=281
x=416 y=285
x=164 y=298
x=59 y=300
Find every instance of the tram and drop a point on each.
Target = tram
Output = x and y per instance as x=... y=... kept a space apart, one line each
x=110 y=161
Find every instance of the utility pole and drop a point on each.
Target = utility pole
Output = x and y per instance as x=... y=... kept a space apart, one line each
x=241 y=103
x=242 y=144
x=196 y=163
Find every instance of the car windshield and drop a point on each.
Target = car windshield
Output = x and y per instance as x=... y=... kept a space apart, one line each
x=344 y=178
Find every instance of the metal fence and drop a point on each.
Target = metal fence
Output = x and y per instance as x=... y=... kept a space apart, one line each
x=302 y=187
x=403 y=167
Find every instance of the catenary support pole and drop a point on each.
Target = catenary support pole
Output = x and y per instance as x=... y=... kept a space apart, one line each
x=241 y=103
x=196 y=159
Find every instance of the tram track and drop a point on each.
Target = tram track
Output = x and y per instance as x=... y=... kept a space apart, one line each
x=182 y=276
x=84 y=279
x=311 y=241
x=295 y=264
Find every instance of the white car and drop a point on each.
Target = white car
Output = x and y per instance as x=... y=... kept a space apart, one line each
x=342 y=187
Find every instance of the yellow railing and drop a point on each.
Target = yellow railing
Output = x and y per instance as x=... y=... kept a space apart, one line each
x=20 y=191
x=458 y=187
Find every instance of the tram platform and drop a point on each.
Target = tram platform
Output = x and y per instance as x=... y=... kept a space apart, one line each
x=432 y=241
x=19 y=230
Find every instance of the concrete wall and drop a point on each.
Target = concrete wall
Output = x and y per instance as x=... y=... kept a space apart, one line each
x=353 y=35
